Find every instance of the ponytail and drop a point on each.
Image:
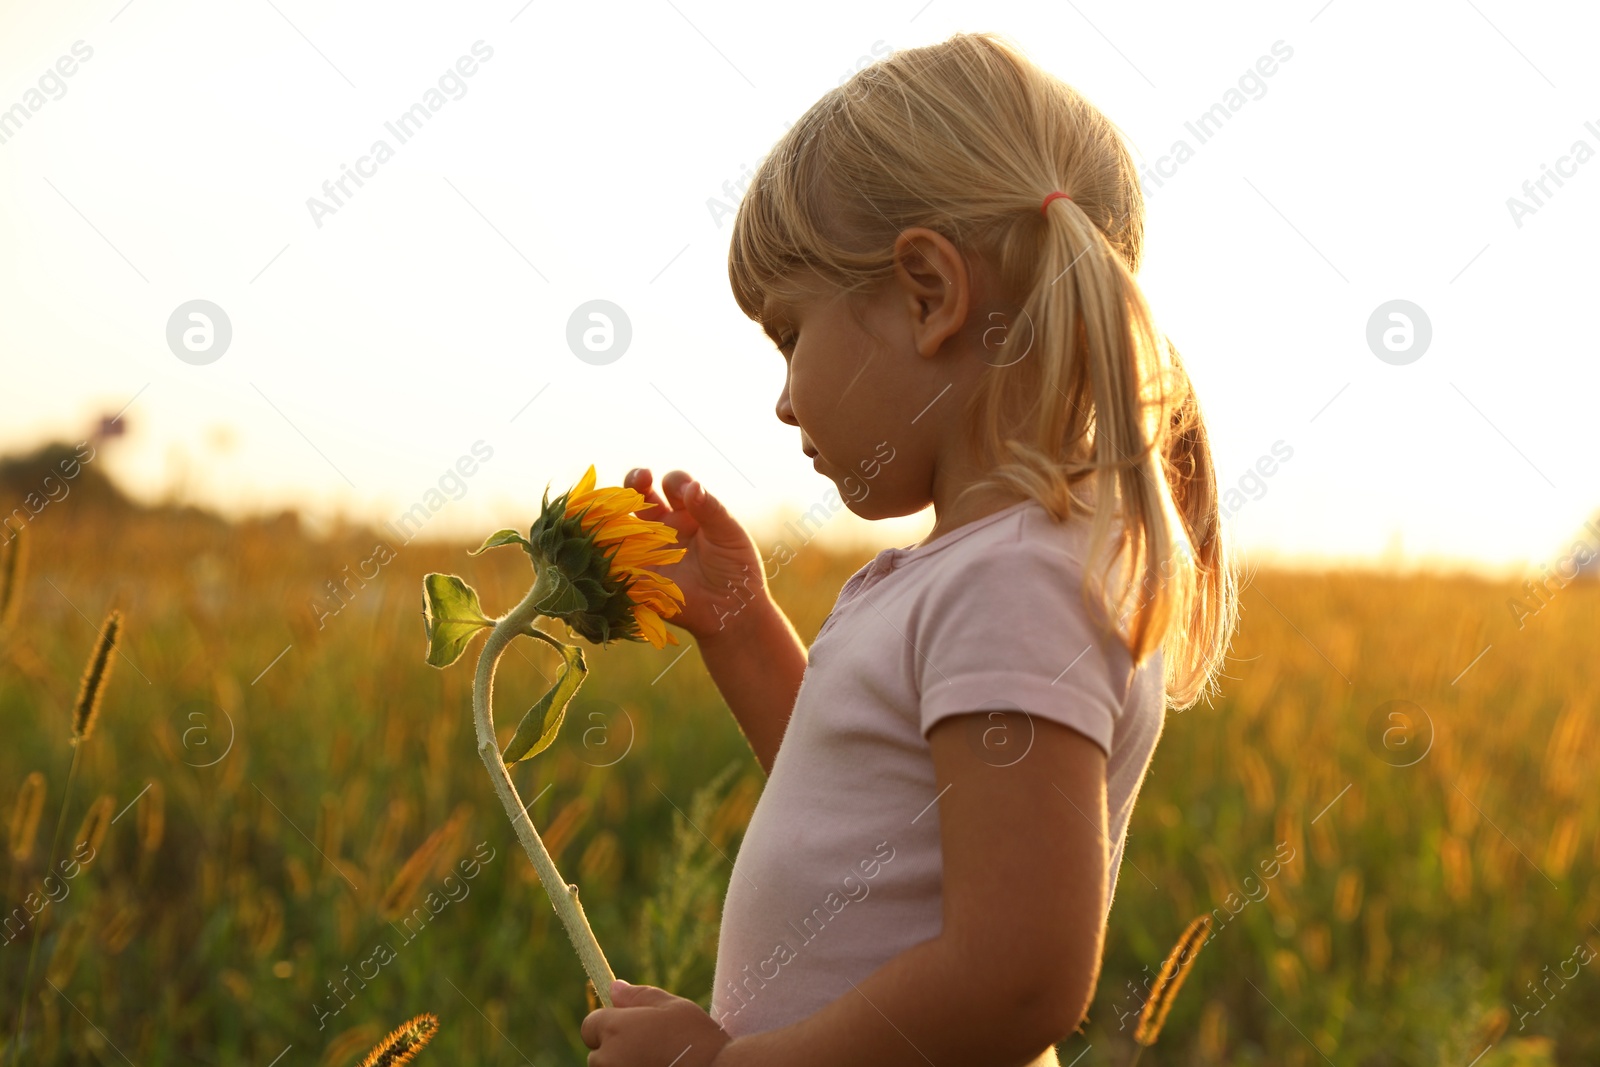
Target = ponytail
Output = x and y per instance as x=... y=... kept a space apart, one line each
x=1106 y=422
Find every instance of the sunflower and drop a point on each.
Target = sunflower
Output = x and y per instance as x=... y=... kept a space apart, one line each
x=596 y=556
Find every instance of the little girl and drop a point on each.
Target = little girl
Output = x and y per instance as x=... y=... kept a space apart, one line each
x=944 y=249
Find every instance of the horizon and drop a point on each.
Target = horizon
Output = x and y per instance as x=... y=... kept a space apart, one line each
x=774 y=531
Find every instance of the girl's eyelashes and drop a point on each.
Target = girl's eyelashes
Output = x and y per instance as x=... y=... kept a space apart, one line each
x=787 y=342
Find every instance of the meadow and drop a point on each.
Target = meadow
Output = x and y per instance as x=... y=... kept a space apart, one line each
x=287 y=803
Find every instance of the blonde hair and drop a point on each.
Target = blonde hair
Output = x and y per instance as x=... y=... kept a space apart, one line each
x=967 y=137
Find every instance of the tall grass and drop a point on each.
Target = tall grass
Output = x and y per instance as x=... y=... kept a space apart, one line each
x=1416 y=911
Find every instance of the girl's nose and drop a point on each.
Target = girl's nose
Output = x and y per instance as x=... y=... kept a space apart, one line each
x=785 y=412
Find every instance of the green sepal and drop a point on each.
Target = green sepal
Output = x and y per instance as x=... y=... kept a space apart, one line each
x=498 y=538
x=451 y=614
x=565 y=596
x=539 y=727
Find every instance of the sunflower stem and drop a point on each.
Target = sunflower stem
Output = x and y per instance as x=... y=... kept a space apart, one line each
x=563 y=895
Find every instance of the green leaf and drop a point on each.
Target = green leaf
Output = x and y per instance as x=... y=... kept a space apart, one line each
x=539 y=727
x=450 y=616
x=498 y=538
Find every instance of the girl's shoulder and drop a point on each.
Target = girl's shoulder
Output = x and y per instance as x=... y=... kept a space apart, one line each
x=1003 y=615
x=1021 y=536
x=1021 y=564
x=1012 y=556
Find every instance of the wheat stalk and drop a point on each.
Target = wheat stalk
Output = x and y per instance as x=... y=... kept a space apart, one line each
x=1176 y=968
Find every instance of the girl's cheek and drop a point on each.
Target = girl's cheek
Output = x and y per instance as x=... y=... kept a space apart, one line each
x=803 y=401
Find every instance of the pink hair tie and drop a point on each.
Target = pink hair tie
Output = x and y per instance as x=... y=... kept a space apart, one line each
x=1051 y=197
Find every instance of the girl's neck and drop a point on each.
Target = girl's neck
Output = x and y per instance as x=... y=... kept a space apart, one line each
x=959 y=513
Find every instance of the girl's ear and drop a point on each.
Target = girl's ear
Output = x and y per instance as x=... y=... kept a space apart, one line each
x=932 y=276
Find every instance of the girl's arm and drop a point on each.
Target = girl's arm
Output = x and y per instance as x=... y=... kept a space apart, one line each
x=1014 y=968
x=757 y=661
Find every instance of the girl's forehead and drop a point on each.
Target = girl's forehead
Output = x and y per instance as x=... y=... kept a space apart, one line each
x=769 y=315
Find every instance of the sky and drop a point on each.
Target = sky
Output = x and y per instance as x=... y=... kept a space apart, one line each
x=160 y=153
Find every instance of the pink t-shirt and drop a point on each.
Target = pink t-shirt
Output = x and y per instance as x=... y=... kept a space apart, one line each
x=840 y=868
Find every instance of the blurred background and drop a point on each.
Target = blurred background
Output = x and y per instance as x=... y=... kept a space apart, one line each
x=244 y=344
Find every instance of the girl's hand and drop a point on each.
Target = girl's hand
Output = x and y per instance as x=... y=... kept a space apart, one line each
x=721 y=570
x=647 y=1027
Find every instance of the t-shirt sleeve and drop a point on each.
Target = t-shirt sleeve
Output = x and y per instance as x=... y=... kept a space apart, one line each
x=1010 y=632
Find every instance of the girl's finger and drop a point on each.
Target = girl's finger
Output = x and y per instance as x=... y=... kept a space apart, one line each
x=589 y=1029
x=674 y=483
x=639 y=479
x=692 y=497
x=692 y=503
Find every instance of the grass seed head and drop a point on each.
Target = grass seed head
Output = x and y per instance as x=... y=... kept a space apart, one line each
x=92 y=831
x=416 y=869
x=87 y=710
x=69 y=948
x=404 y=1043
x=1154 y=1014
x=152 y=818
x=25 y=816
x=11 y=576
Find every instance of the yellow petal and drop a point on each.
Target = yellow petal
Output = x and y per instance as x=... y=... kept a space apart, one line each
x=664 y=602
x=603 y=503
x=644 y=577
x=626 y=526
x=615 y=526
x=653 y=629
x=637 y=553
x=585 y=483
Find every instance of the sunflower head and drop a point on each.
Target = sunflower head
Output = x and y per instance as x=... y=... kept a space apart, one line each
x=594 y=557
